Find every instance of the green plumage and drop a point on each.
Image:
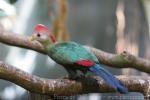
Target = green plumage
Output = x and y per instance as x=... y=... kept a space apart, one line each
x=69 y=52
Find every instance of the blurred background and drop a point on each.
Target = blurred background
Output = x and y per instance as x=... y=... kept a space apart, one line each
x=109 y=25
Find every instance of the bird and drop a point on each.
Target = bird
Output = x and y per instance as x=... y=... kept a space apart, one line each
x=74 y=57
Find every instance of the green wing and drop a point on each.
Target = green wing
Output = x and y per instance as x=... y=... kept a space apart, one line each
x=70 y=52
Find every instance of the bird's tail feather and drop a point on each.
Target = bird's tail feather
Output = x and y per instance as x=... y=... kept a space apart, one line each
x=109 y=78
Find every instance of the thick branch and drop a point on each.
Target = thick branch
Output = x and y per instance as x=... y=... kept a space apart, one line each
x=123 y=60
x=20 y=41
x=68 y=87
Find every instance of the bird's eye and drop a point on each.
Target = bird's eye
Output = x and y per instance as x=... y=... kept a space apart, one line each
x=38 y=34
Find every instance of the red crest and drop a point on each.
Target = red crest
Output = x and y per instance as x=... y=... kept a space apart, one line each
x=43 y=28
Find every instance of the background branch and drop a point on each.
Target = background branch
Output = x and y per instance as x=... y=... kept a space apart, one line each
x=66 y=87
x=123 y=60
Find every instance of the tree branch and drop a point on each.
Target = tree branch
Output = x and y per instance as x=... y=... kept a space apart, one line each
x=66 y=87
x=20 y=41
x=123 y=60
x=70 y=87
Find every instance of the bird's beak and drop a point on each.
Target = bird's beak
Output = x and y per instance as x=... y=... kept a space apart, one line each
x=31 y=38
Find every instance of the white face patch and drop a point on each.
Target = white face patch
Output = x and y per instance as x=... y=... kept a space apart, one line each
x=44 y=37
x=41 y=37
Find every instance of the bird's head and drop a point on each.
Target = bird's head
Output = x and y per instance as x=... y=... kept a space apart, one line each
x=42 y=35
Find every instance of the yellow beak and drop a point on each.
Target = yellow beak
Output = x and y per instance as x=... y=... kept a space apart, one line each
x=31 y=38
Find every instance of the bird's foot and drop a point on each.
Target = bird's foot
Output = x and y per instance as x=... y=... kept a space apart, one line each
x=79 y=77
x=73 y=77
x=91 y=80
x=82 y=76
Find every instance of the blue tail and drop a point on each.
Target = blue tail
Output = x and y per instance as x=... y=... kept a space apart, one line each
x=109 y=78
